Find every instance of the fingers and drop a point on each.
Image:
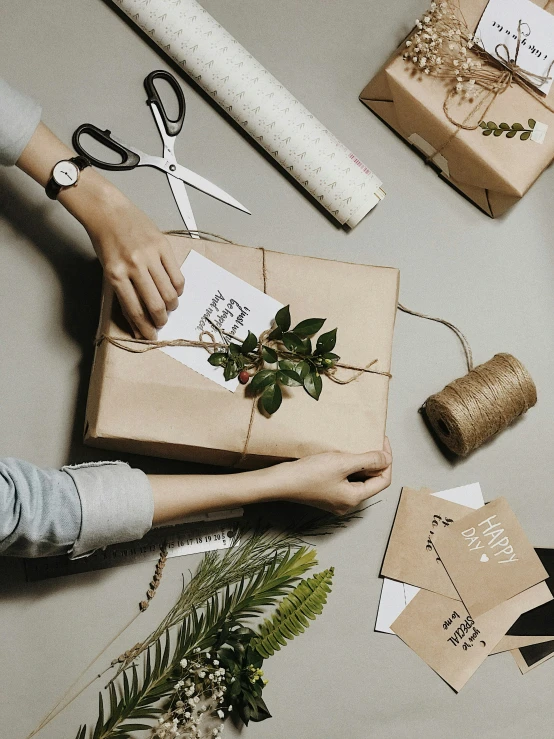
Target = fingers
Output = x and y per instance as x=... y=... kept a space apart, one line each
x=164 y=285
x=172 y=269
x=150 y=296
x=368 y=463
x=134 y=311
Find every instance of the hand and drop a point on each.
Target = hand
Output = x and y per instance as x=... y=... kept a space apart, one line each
x=333 y=481
x=138 y=262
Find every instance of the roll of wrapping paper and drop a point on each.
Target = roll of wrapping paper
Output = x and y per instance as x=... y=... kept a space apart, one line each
x=274 y=118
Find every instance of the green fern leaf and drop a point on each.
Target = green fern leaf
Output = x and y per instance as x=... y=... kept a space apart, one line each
x=305 y=602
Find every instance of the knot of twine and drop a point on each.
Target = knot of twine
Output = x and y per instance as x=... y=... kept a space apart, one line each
x=492 y=80
x=140 y=346
x=475 y=407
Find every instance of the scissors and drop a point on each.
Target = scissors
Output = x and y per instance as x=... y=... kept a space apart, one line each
x=131 y=157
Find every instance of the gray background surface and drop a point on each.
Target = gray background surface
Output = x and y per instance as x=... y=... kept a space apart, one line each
x=492 y=278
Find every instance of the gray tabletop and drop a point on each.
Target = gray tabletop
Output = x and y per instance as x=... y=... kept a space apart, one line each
x=492 y=278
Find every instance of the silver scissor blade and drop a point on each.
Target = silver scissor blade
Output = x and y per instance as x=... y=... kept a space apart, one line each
x=204 y=185
x=183 y=203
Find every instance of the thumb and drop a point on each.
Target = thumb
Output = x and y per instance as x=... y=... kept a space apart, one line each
x=374 y=461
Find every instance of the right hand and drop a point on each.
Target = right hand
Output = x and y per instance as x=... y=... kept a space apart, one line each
x=334 y=481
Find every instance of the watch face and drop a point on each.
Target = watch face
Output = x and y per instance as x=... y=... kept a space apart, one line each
x=65 y=173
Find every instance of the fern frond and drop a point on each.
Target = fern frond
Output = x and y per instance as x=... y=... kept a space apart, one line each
x=290 y=619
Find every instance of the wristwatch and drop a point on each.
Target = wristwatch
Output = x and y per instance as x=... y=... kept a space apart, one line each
x=65 y=174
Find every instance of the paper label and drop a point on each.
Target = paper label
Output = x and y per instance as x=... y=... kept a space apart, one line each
x=488 y=557
x=538 y=133
x=212 y=294
x=410 y=555
x=499 y=26
x=453 y=642
x=395 y=596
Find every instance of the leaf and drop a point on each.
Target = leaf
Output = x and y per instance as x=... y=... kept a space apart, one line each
x=331 y=356
x=303 y=368
x=483 y=124
x=517 y=127
x=505 y=126
x=491 y=125
x=292 y=342
x=234 y=349
x=287 y=364
x=313 y=384
x=134 y=727
x=531 y=123
x=275 y=334
x=326 y=342
x=306 y=347
x=525 y=135
x=263 y=711
x=309 y=327
x=489 y=131
x=306 y=601
x=271 y=399
x=497 y=132
x=218 y=359
x=269 y=355
x=249 y=344
x=282 y=318
x=511 y=134
x=81 y=734
x=230 y=371
x=262 y=379
x=289 y=377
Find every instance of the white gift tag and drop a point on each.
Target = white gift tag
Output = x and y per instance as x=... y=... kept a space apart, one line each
x=498 y=27
x=213 y=295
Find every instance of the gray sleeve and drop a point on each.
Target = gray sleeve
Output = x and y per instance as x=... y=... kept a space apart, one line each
x=19 y=117
x=74 y=510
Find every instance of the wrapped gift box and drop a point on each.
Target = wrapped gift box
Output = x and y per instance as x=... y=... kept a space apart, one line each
x=152 y=404
x=494 y=172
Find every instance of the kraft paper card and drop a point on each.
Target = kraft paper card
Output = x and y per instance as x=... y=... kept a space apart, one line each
x=451 y=641
x=509 y=643
x=395 y=595
x=411 y=555
x=488 y=557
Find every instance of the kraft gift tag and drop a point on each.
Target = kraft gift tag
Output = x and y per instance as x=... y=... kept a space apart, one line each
x=488 y=557
x=411 y=556
x=452 y=642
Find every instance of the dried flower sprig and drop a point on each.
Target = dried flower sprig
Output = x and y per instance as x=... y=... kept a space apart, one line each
x=440 y=46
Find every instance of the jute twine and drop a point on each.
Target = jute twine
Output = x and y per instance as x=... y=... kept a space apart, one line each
x=475 y=407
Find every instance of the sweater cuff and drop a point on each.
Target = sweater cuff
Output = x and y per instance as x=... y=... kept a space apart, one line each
x=117 y=505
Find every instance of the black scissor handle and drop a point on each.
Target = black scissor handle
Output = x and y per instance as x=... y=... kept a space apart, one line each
x=172 y=127
x=129 y=160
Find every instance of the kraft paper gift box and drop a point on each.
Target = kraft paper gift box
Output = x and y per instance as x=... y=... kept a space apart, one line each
x=493 y=172
x=152 y=404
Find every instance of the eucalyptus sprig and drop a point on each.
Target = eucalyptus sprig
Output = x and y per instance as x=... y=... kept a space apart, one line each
x=284 y=357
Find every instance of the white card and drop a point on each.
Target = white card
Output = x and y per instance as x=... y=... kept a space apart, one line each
x=396 y=595
x=213 y=293
x=499 y=25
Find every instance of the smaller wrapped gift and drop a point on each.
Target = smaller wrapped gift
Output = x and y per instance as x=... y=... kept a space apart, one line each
x=150 y=403
x=479 y=119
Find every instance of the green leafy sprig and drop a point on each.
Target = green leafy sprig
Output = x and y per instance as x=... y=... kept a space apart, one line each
x=284 y=357
x=489 y=127
x=212 y=668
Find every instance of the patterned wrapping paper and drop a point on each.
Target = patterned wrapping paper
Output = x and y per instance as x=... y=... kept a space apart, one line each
x=274 y=118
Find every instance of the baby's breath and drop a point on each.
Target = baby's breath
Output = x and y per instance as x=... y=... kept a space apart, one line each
x=439 y=46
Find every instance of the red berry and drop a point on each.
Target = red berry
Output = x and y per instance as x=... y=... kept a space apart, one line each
x=243 y=377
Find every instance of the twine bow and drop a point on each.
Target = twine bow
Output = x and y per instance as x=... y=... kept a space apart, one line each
x=494 y=79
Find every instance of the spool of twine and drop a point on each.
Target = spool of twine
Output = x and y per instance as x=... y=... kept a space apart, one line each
x=475 y=407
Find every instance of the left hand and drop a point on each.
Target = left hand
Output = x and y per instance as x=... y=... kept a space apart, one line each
x=138 y=262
